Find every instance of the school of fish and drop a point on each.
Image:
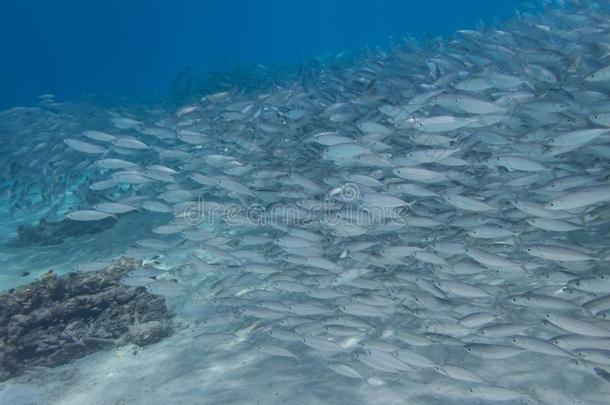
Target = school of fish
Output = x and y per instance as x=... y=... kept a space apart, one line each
x=416 y=214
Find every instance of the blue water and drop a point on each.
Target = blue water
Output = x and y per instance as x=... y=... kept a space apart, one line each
x=129 y=48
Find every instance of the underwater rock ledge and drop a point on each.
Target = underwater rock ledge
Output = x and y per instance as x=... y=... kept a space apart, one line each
x=46 y=233
x=55 y=320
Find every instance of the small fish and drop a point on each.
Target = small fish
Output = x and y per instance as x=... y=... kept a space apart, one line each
x=344 y=370
x=491 y=351
x=84 y=147
x=273 y=350
x=322 y=345
x=89 y=215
